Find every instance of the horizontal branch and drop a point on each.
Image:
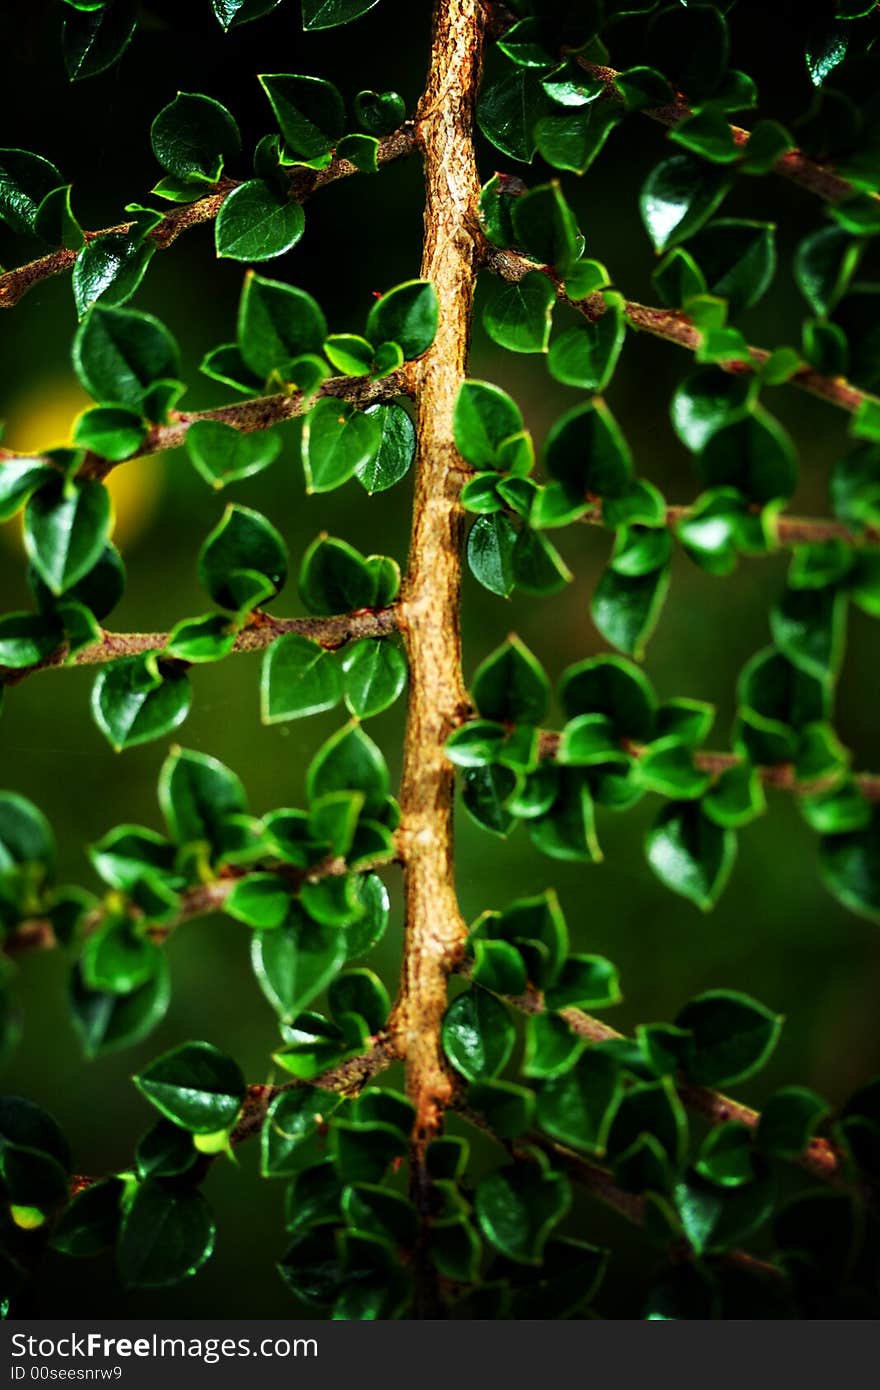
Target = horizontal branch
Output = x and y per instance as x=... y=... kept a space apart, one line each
x=780 y=777
x=820 y=1158
x=788 y=530
x=347 y=1079
x=260 y=413
x=38 y=934
x=600 y=1183
x=811 y=174
x=262 y=630
x=14 y=284
x=796 y=166
x=674 y=326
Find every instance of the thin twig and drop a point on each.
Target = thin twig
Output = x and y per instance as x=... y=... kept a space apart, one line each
x=674 y=326
x=787 y=530
x=262 y=630
x=14 y=284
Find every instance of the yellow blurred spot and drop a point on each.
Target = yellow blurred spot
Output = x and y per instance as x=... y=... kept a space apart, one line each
x=27 y=1218
x=43 y=417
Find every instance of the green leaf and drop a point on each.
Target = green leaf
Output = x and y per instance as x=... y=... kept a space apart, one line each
x=586 y=982
x=107 y=1022
x=259 y=900
x=586 y=355
x=19 y=478
x=824 y=264
x=223 y=454
x=295 y=962
x=197 y=794
x=732 y=1036
x=517 y=1208
x=255 y=224
x=309 y=113
x=337 y=441
x=651 y=1108
x=196 y=1086
x=298 y=678
x=193 y=137
x=113 y=432
x=607 y=685
x=789 y=1119
x=485 y=795
x=511 y=685
x=336 y=578
x=118 y=354
x=28 y=638
x=25 y=180
x=379 y=113
x=573 y=139
x=576 y=1107
x=507 y=1108
x=518 y=318
x=94 y=40
x=850 y=866
x=690 y=853
x=490 y=550
x=243 y=561
x=586 y=451
x=546 y=228
x=393 y=457
x=484 y=417
x=349 y=354
x=509 y=108
x=738 y=259
x=326 y=14
x=110 y=268
x=406 y=315
x=277 y=324
x=117 y=959
x=809 y=627
x=349 y=761
x=499 y=966
x=166 y=1236
x=678 y=196
x=66 y=526
x=134 y=701
x=705 y=402
x=374 y=676
x=478 y=1034
x=552 y=1048
x=754 y=454
x=736 y=797
x=292 y=1120
x=626 y=608
x=90 y=1224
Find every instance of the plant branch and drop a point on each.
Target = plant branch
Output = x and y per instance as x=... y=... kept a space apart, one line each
x=674 y=326
x=820 y=1158
x=780 y=777
x=796 y=166
x=434 y=929
x=262 y=630
x=14 y=284
x=38 y=934
x=788 y=530
x=260 y=413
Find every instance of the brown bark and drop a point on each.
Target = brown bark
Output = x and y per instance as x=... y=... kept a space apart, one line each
x=434 y=929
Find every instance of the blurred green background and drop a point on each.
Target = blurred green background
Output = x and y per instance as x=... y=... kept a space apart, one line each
x=776 y=933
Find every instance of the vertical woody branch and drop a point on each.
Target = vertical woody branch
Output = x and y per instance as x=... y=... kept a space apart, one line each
x=435 y=932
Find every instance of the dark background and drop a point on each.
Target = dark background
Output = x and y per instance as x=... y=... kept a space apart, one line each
x=776 y=933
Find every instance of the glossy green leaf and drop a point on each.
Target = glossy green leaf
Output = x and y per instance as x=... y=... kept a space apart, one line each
x=374 y=676
x=167 y=1235
x=678 y=196
x=517 y=1208
x=277 y=324
x=511 y=685
x=118 y=354
x=244 y=559
x=255 y=224
x=299 y=678
x=518 y=317
x=93 y=40
x=66 y=526
x=732 y=1036
x=691 y=854
x=478 y=1034
x=337 y=442
x=392 y=458
x=195 y=1086
x=406 y=315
